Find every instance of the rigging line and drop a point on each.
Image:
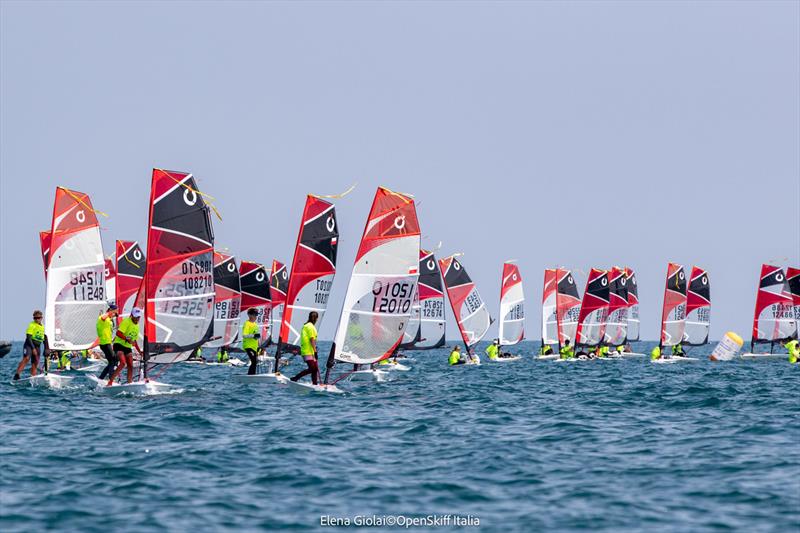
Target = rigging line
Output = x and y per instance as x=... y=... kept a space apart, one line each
x=204 y=195
x=336 y=196
x=84 y=204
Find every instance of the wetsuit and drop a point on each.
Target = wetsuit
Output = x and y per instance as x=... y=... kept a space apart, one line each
x=105 y=325
x=250 y=336
x=308 y=333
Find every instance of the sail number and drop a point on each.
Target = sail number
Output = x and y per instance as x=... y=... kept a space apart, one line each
x=185 y=307
x=516 y=313
x=198 y=282
x=226 y=309
x=195 y=267
x=392 y=297
x=473 y=302
x=433 y=308
x=782 y=311
x=87 y=286
x=322 y=292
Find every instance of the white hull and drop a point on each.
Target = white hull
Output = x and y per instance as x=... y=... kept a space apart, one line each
x=137 y=388
x=633 y=354
x=765 y=356
x=258 y=379
x=506 y=359
x=307 y=387
x=673 y=359
x=368 y=375
x=548 y=357
x=397 y=367
x=92 y=368
x=46 y=381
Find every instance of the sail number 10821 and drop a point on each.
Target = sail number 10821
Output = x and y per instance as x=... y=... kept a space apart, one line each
x=392 y=297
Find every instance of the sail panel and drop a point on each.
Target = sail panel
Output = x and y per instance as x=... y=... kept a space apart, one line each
x=549 y=315
x=698 y=308
x=472 y=315
x=774 y=314
x=617 y=322
x=568 y=306
x=512 y=310
x=278 y=285
x=594 y=309
x=256 y=294
x=431 y=302
x=673 y=314
x=227 y=300
x=633 y=305
x=793 y=279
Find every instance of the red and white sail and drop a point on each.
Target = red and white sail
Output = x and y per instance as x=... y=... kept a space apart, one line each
x=279 y=285
x=179 y=270
x=377 y=306
x=549 y=315
x=617 y=321
x=130 y=273
x=774 y=318
x=470 y=310
x=76 y=293
x=254 y=279
x=698 y=308
x=594 y=309
x=44 y=242
x=427 y=325
x=793 y=279
x=568 y=306
x=633 y=305
x=512 y=310
x=111 y=280
x=227 y=300
x=673 y=313
x=313 y=269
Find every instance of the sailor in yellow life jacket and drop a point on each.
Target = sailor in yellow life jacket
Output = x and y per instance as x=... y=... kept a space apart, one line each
x=493 y=349
x=455 y=357
x=793 y=346
x=566 y=351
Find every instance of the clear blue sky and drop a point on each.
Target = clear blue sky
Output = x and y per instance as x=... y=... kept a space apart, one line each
x=577 y=134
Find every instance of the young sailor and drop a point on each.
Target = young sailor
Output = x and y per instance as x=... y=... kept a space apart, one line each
x=34 y=338
x=455 y=356
x=492 y=349
x=124 y=342
x=308 y=348
x=655 y=353
x=222 y=355
x=566 y=351
x=545 y=349
x=793 y=348
x=677 y=351
x=250 y=336
x=105 y=327
x=602 y=351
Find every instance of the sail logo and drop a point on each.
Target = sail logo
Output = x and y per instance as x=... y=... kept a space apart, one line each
x=189 y=200
x=80 y=216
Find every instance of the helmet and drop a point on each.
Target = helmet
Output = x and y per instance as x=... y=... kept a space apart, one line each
x=136 y=312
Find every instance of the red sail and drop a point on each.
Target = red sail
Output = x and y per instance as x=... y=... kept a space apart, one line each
x=130 y=272
x=470 y=311
x=549 y=333
x=773 y=319
x=254 y=279
x=594 y=309
x=673 y=313
x=568 y=304
x=278 y=285
x=633 y=304
x=44 y=242
x=313 y=268
x=179 y=273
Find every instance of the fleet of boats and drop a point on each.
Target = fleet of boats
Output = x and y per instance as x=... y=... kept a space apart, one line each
x=193 y=295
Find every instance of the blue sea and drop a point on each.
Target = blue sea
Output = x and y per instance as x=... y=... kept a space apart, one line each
x=521 y=446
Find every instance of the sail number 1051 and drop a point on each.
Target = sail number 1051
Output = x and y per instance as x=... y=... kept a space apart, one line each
x=392 y=297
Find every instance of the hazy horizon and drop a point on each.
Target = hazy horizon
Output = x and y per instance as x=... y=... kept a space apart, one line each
x=557 y=134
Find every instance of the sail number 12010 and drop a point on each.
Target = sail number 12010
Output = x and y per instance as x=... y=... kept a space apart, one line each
x=392 y=297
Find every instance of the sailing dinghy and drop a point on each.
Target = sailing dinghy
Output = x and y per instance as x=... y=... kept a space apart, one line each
x=227 y=304
x=568 y=306
x=594 y=311
x=380 y=294
x=177 y=291
x=773 y=319
x=278 y=285
x=673 y=315
x=549 y=316
x=793 y=279
x=254 y=279
x=616 y=332
x=310 y=281
x=632 y=334
x=512 y=312
x=698 y=308
x=472 y=316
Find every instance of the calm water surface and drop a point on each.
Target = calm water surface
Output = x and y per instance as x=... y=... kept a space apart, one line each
x=525 y=446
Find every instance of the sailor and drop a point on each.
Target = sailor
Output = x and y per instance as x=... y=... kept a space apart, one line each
x=545 y=349
x=794 y=350
x=602 y=351
x=125 y=340
x=677 y=351
x=655 y=353
x=250 y=336
x=308 y=348
x=620 y=349
x=492 y=349
x=566 y=351
x=105 y=326
x=455 y=356
x=222 y=355
x=64 y=360
x=34 y=338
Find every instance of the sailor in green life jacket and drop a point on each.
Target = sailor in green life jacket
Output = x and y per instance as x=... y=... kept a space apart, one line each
x=493 y=349
x=566 y=351
x=32 y=348
x=655 y=353
x=455 y=357
x=251 y=332
x=620 y=349
x=105 y=334
x=545 y=349
x=222 y=355
x=125 y=340
x=602 y=351
x=677 y=351
x=308 y=348
x=793 y=347
x=64 y=362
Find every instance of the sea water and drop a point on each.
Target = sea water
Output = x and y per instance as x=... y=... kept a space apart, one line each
x=620 y=445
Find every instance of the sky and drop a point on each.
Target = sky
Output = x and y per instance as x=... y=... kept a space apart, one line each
x=559 y=134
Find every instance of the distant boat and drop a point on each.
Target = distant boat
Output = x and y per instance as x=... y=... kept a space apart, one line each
x=471 y=314
x=254 y=282
x=774 y=317
x=616 y=332
x=698 y=308
x=594 y=311
x=512 y=310
x=426 y=328
x=568 y=307
x=130 y=273
x=227 y=301
x=633 y=305
x=673 y=311
x=278 y=285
